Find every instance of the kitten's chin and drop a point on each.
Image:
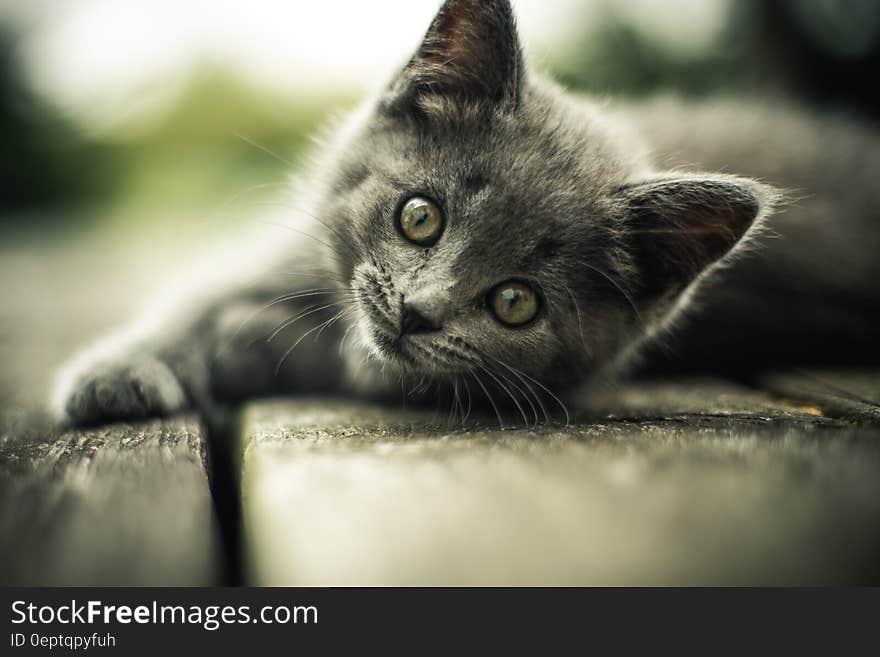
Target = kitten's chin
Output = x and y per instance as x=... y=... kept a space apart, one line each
x=382 y=345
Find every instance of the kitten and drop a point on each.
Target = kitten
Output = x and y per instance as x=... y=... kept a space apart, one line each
x=474 y=226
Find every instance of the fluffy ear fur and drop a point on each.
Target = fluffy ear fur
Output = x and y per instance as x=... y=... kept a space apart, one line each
x=471 y=52
x=681 y=225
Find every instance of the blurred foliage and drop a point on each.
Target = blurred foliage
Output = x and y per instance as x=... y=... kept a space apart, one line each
x=45 y=160
x=778 y=47
x=615 y=58
x=827 y=52
x=223 y=139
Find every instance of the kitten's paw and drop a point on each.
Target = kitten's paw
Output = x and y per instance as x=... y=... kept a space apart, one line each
x=122 y=388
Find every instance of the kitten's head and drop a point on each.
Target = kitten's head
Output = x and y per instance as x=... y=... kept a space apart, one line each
x=489 y=224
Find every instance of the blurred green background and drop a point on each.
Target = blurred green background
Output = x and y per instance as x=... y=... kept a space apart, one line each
x=218 y=134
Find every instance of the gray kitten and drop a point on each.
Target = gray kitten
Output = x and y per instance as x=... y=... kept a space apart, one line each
x=475 y=227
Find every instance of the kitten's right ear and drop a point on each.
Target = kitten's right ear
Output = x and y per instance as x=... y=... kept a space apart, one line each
x=470 y=53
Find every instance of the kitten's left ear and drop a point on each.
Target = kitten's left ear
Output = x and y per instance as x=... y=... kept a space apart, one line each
x=471 y=52
x=679 y=226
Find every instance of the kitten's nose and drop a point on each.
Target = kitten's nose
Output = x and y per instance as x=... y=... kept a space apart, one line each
x=413 y=320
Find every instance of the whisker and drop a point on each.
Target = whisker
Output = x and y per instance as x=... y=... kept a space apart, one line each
x=524 y=394
x=344 y=336
x=489 y=397
x=318 y=274
x=300 y=232
x=342 y=239
x=468 y=412
x=508 y=392
x=293 y=296
x=530 y=389
x=253 y=188
x=319 y=327
x=262 y=309
x=456 y=402
x=346 y=243
x=340 y=295
x=415 y=388
x=292 y=320
x=332 y=321
x=617 y=286
x=547 y=390
x=678 y=231
x=277 y=300
x=264 y=149
x=577 y=310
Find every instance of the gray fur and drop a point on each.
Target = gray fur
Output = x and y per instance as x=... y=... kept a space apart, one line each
x=535 y=185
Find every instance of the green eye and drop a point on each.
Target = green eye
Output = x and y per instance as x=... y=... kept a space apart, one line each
x=421 y=221
x=513 y=303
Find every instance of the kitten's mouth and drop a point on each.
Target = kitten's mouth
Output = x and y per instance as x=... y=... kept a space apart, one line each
x=381 y=330
x=401 y=348
x=382 y=334
x=419 y=353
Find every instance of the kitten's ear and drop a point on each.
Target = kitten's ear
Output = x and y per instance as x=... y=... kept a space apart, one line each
x=681 y=225
x=471 y=52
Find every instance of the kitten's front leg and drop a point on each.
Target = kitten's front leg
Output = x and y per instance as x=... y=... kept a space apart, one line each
x=236 y=347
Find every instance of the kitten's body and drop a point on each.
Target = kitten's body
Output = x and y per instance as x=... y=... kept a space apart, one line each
x=564 y=194
x=807 y=291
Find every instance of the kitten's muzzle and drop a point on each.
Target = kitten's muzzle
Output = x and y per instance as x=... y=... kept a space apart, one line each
x=416 y=320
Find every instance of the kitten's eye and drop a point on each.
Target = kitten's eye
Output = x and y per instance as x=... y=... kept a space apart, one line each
x=421 y=221
x=513 y=303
